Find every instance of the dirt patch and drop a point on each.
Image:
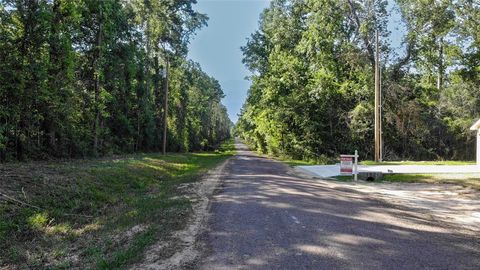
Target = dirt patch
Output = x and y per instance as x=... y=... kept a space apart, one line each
x=453 y=205
x=182 y=249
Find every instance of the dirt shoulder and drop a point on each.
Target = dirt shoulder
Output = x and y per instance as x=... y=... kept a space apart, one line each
x=183 y=247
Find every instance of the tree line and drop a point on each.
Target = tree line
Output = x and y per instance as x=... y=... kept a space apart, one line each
x=312 y=93
x=84 y=78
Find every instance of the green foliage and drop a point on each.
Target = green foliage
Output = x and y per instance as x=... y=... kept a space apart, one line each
x=82 y=78
x=312 y=92
x=100 y=213
x=38 y=221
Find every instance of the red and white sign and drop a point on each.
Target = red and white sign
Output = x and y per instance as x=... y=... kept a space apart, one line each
x=346 y=164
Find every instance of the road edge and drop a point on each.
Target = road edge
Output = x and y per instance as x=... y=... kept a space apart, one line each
x=187 y=240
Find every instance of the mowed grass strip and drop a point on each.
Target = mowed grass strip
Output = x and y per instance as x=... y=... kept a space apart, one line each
x=464 y=179
x=409 y=162
x=323 y=160
x=95 y=214
x=329 y=161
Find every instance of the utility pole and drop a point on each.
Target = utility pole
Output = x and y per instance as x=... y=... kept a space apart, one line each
x=378 y=103
x=165 y=108
x=440 y=64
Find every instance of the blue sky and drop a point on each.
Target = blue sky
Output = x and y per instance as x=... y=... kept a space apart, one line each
x=217 y=46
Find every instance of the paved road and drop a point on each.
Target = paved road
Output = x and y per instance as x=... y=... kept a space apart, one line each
x=266 y=218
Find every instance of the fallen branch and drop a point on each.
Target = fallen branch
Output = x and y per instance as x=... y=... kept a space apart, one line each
x=20 y=202
x=24 y=195
x=11 y=199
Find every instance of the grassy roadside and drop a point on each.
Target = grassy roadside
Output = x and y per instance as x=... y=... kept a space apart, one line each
x=298 y=162
x=466 y=179
x=326 y=161
x=294 y=162
x=98 y=214
x=407 y=162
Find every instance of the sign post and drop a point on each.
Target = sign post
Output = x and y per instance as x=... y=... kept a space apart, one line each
x=355 y=168
x=476 y=127
x=349 y=165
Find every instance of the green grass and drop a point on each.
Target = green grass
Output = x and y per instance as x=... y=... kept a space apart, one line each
x=295 y=162
x=407 y=162
x=343 y=178
x=81 y=213
x=468 y=179
x=298 y=162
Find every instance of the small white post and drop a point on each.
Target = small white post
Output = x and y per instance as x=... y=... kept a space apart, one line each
x=355 y=166
x=478 y=147
x=476 y=127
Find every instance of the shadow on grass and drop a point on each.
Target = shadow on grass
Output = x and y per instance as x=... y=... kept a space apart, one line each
x=95 y=214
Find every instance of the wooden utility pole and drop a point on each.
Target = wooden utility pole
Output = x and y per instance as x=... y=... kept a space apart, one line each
x=378 y=103
x=440 y=64
x=165 y=109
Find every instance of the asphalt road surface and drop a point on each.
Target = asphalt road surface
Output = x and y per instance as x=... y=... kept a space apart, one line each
x=265 y=217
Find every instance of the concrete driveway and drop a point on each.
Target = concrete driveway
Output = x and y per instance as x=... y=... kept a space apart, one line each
x=324 y=171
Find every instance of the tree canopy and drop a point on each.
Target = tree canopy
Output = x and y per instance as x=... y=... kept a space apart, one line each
x=312 y=93
x=84 y=78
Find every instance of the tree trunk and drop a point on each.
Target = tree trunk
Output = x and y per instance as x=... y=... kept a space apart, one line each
x=97 y=87
x=157 y=95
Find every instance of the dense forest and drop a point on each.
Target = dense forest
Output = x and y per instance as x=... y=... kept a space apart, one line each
x=84 y=78
x=312 y=93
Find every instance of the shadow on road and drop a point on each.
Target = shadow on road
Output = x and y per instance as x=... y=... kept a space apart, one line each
x=265 y=218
